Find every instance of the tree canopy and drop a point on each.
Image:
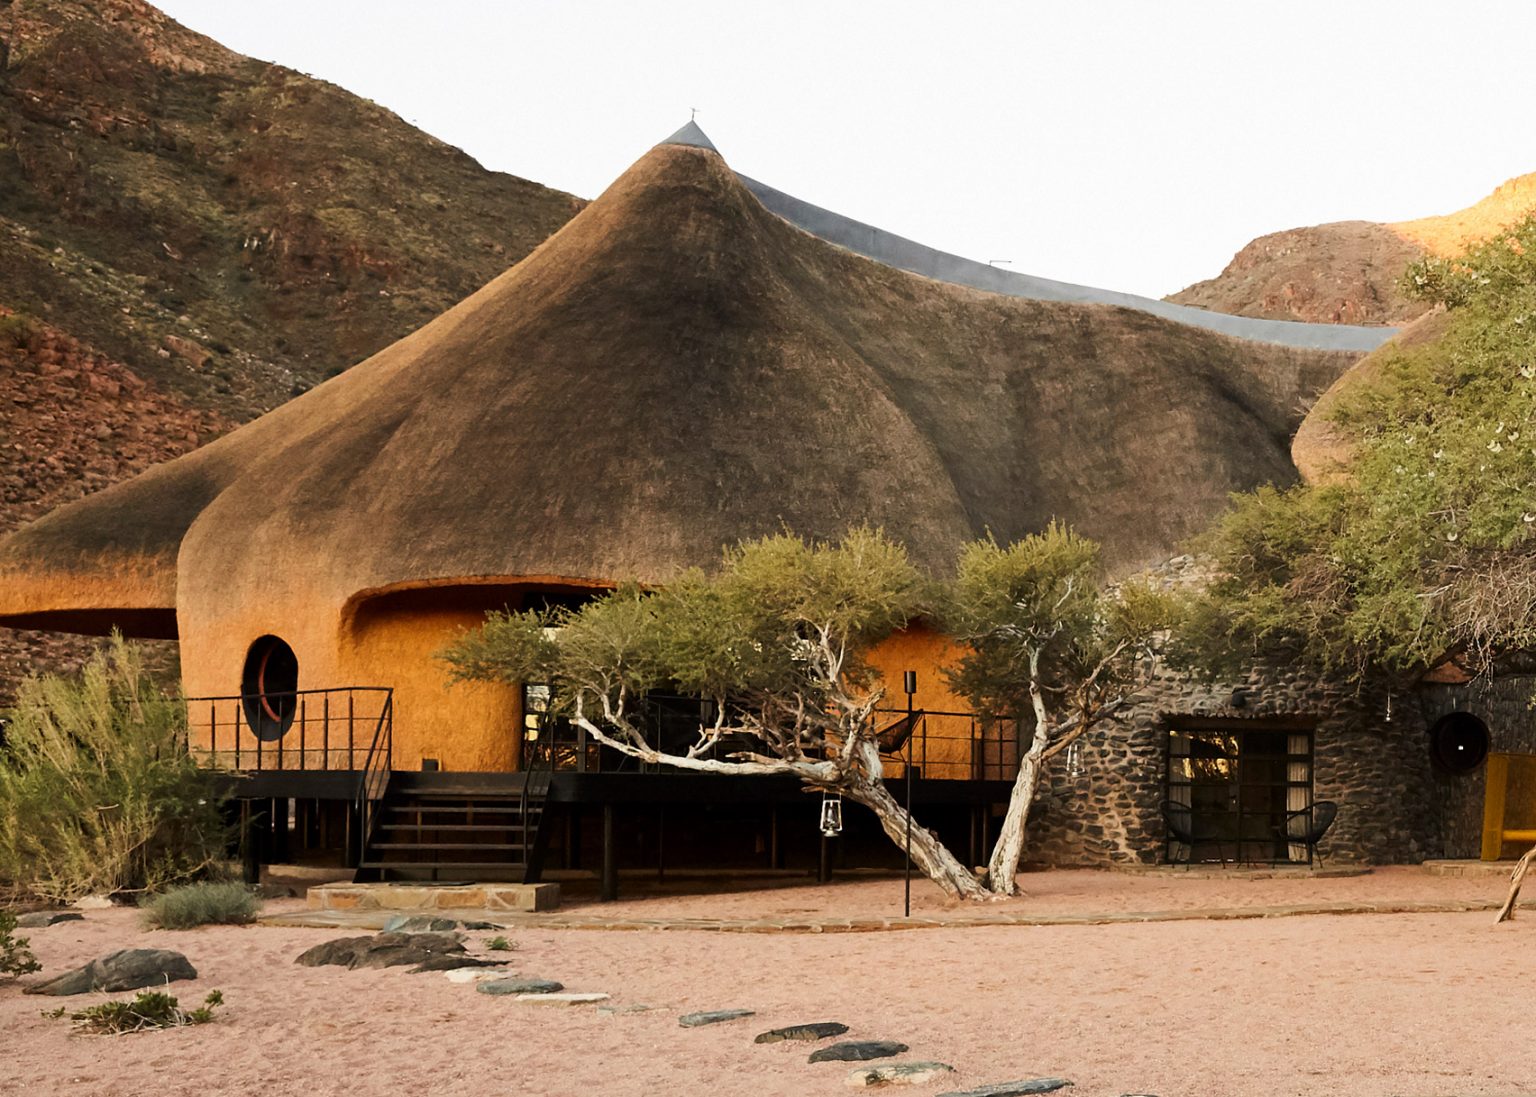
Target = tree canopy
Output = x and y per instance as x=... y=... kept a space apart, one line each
x=1423 y=550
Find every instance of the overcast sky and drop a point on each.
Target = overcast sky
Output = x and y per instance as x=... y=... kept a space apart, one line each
x=1130 y=145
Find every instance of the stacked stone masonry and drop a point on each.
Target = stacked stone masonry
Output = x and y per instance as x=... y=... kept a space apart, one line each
x=1377 y=769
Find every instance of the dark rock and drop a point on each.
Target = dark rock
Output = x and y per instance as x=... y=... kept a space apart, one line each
x=1013 y=1089
x=713 y=1017
x=818 y=1030
x=451 y=961
x=127 y=969
x=38 y=919
x=857 y=1051
x=383 y=950
x=518 y=986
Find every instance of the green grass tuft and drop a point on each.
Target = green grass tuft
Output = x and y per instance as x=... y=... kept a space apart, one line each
x=201 y=905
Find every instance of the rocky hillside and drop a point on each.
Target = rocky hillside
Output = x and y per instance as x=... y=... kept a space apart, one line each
x=72 y=421
x=1347 y=272
x=231 y=229
x=189 y=237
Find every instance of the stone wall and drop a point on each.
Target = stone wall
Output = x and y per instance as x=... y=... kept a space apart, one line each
x=1504 y=704
x=1378 y=770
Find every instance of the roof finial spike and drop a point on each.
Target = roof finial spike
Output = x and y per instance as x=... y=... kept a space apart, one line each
x=693 y=113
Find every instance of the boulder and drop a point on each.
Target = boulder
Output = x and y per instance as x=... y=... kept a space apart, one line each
x=454 y=961
x=40 y=919
x=818 y=1030
x=857 y=1051
x=383 y=950
x=898 y=1074
x=712 y=1017
x=126 y=969
x=427 y=923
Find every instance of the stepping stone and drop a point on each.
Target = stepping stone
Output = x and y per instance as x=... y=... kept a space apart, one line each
x=611 y=1010
x=519 y=986
x=713 y=1017
x=898 y=1074
x=472 y=974
x=40 y=919
x=126 y=969
x=820 y=1030
x=857 y=1051
x=578 y=999
x=1021 y=1088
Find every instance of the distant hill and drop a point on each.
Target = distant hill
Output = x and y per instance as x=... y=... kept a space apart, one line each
x=1346 y=272
x=228 y=228
x=189 y=237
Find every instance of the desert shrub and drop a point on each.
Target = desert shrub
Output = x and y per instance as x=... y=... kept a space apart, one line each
x=212 y=903
x=149 y=1009
x=98 y=794
x=499 y=944
x=17 y=331
x=15 y=957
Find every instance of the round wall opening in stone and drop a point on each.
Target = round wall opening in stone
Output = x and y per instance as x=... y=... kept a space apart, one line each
x=269 y=687
x=1459 y=742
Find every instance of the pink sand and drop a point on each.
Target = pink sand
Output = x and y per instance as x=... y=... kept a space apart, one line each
x=1366 y=1005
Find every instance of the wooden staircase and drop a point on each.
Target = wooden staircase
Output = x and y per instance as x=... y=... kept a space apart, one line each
x=458 y=826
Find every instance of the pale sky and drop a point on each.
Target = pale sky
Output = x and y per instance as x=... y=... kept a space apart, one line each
x=1133 y=145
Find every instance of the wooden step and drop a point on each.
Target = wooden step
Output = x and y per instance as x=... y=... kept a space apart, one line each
x=493 y=828
x=533 y=809
x=441 y=866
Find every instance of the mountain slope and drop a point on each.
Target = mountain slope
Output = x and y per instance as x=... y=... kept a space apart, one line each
x=1347 y=272
x=230 y=228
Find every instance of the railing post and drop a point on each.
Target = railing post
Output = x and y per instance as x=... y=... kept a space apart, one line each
x=325 y=732
x=303 y=744
x=351 y=729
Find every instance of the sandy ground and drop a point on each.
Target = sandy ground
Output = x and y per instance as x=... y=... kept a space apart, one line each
x=1365 y=1005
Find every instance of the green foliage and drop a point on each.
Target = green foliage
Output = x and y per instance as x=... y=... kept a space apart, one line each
x=97 y=791
x=1036 y=611
x=15 y=957
x=1426 y=549
x=17 y=331
x=150 y=1009
x=213 y=903
x=499 y=944
x=758 y=628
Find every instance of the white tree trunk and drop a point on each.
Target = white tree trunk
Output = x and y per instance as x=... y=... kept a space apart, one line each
x=1009 y=848
x=1507 y=911
x=928 y=853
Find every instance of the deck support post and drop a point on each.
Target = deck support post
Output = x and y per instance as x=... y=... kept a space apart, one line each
x=250 y=843
x=281 y=853
x=610 y=890
x=661 y=843
x=824 y=862
x=775 y=852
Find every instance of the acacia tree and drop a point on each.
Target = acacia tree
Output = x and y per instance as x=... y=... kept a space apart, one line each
x=1047 y=644
x=1422 y=549
x=778 y=639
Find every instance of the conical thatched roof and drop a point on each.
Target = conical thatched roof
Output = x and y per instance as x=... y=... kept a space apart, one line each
x=677 y=369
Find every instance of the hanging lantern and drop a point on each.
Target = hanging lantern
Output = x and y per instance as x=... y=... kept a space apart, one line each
x=831 y=814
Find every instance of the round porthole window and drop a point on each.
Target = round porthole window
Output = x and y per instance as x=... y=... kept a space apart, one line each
x=1459 y=742
x=269 y=687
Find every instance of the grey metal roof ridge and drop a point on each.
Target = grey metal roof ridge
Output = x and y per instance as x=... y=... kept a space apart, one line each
x=908 y=255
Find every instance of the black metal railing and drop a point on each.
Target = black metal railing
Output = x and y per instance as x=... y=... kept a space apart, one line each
x=948 y=746
x=316 y=729
x=373 y=780
x=943 y=746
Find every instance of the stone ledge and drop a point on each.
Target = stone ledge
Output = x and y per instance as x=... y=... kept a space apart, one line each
x=395 y=897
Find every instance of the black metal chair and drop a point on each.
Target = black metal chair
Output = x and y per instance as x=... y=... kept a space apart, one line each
x=1307 y=826
x=1180 y=820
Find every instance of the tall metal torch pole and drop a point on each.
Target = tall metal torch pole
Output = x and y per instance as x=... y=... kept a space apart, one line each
x=909 y=681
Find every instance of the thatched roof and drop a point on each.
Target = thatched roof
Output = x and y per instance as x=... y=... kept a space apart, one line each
x=674 y=370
